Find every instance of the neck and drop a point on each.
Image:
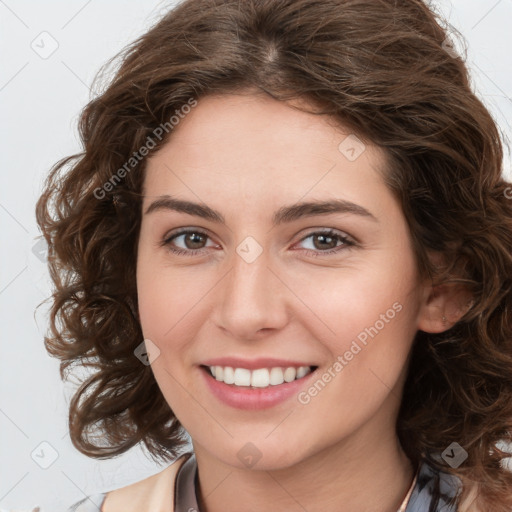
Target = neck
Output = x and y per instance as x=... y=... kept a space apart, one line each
x=367 y=472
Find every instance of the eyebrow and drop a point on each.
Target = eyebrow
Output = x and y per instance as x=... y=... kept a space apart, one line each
x=282 y=215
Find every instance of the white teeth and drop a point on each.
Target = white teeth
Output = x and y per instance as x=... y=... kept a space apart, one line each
x=242 y=377
x=302 y=371
x=290 y=374
x=276 y=376
x=229 y=375
x=260 y=378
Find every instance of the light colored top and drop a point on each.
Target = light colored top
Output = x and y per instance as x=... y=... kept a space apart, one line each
x=159 y=494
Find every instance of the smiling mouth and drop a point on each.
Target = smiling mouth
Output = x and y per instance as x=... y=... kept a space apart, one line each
x=258 y=378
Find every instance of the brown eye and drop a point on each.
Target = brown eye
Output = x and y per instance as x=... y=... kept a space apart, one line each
x=327 y=242
x=191 y=241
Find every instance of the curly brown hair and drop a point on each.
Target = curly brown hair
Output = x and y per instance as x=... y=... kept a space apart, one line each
x=379 y=67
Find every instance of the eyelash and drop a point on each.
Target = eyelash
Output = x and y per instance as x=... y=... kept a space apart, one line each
x=347 y=243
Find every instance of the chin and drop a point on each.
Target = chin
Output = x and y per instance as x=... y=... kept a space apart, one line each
x=260 y=456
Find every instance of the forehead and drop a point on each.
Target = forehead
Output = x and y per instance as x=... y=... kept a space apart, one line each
x=251 y=146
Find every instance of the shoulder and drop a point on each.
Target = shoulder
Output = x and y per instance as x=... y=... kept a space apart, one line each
x=153 y=494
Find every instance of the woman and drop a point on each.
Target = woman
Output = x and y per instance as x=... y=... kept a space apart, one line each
x=288 y=236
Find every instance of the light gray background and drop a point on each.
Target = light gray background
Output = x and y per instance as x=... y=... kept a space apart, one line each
x=40 y=99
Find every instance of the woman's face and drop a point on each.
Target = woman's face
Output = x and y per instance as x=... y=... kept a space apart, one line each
x=261 y=279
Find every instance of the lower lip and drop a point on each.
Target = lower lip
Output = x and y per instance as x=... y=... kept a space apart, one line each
x=253 y=398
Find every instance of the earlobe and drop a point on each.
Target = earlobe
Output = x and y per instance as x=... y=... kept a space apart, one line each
x=443 y=306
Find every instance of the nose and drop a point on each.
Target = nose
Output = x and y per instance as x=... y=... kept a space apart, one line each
x=252 y=299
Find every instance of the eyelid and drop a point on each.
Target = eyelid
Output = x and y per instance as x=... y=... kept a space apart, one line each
x=330 y=231
x=311 y=231
x=173 y=234
x=347 y=240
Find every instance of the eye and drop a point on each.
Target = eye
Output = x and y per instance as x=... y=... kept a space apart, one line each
x=324 y=242
x=191 y=238
x=327 y=242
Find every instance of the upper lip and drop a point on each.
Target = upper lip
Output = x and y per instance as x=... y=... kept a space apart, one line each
x=254 y=364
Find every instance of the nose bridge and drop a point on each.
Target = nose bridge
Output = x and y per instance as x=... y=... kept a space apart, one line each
x=252 y=297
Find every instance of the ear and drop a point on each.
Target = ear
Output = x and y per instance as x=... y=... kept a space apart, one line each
x=443 y=305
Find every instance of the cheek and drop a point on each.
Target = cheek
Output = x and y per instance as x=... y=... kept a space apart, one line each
x=344 y=303
x=167 y=319
x=367 y=316
x=171 y=305
x=367 y=358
